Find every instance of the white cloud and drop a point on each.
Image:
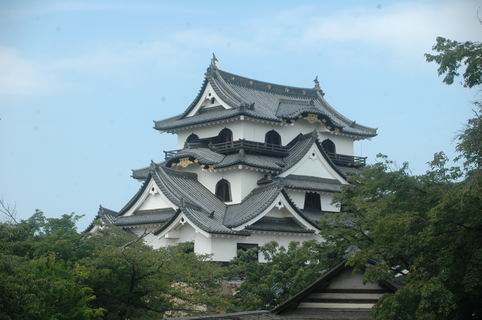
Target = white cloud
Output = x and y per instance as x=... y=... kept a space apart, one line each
x=406 y=28
x=19 y=77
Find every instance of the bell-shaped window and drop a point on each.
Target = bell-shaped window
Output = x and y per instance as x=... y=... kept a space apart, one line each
x=223 y=190
x=328 y=146
x=192 y=138
x=312 y=202
x=272 y=137
x=224 y=135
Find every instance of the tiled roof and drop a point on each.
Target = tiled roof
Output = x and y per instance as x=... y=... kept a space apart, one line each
x=145 y=217
x=198 y=203
x=253 y=160
x=207 y=211
x=278 y=224
x=253 y=204
x=311 y=183
x=105 y=215
x=203 y=155
x=262 y=100
x=298 y=148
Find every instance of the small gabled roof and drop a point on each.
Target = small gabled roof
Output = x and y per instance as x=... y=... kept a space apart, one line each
x=204 y=156
x=322 y=282
x=144 y=217
x=278 y=225
x=311 y=183
x=252 y=205
x=273 y=164
x=106 y=217
x=264 y=101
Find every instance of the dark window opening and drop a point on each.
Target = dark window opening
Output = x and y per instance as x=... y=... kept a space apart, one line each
x=192 y=138
x=312 y=202
x=272 y=137
x=328 y=146
x=223 y=190
x=250 y=249
x=224 y=135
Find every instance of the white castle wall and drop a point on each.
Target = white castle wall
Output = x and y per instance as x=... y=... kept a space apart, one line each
x=241 y=181
x=256 y=131
x=298 y=197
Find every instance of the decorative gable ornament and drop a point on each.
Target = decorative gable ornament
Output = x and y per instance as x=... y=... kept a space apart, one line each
x=280 y=205
x=153 y=191
x=184 y=163
x=312 y=118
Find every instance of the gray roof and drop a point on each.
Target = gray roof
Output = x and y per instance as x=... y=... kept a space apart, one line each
x=203 y=155
x=311 y=183
x=208 y=212
x=143 y=217
x=253 y=204
x=106 y=217
x=252 y=160
x=278 y=224
x=297 y=148
x=203 y=208
x=262 y=100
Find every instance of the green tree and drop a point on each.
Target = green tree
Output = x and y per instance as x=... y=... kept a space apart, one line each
x=453 y=55
x=38 y=277
x=285 y=272
x=426 y=227
x=137 y=282
x=50 y=271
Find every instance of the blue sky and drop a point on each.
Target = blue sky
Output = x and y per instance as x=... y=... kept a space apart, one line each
x=82 y=81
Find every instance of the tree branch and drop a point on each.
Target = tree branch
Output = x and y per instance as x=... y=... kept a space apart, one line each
x=142 y=236
x=9 y=211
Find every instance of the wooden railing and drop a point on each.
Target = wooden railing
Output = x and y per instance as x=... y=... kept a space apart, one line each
x=250 y=147
x=346 y=160
x=268 y=149
x=170 y=153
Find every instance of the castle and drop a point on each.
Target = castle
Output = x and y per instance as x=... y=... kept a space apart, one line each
x=255 y=162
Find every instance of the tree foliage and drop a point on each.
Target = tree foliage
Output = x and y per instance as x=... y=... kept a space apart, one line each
x=49 y=271
x=284 y=273
x=453 y=55
x=424 y=229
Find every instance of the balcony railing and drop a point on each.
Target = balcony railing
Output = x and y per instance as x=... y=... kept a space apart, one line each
x=170 y=153
x=250 y=147
x=346 y=160
x=267 y=149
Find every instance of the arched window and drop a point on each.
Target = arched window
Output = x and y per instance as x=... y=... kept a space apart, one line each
x=328 y=146
x=223 y=190
x=192 y=138
x=224 y=135
x=272 y=137
x=312 y=201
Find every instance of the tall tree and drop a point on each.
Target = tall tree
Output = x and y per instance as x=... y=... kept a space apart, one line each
x=50 y=271
x=283 y=274
x=425 y=229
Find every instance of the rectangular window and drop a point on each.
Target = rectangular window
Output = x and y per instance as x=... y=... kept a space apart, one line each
x=243 y=247
x=312 y=202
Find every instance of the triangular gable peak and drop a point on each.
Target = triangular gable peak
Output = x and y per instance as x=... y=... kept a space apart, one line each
x=281 y=207
x=315 y=163
x=339 y=291
x=207 y=101
x=150 y=198
x=174 y=228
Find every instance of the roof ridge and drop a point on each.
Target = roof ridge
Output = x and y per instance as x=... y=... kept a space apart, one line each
x=186 y=174
x=267 y=86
